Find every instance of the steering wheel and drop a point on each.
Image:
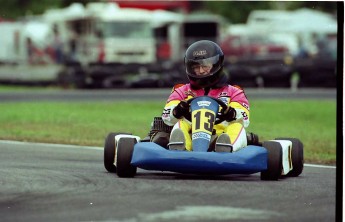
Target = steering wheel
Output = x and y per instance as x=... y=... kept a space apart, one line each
x=219 y=117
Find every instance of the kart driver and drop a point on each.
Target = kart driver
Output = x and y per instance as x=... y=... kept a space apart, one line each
x=204 y=67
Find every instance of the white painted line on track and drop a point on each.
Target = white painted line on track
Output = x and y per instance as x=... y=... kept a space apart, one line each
x=319 y=166
x=51 y=145
x=209 y=213
x=101 y=149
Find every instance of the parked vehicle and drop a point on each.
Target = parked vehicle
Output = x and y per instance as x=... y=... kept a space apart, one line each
x=254 y=60
x=237 y=47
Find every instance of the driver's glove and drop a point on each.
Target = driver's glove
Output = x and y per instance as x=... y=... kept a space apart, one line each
x=182 y=109
x=229 y=114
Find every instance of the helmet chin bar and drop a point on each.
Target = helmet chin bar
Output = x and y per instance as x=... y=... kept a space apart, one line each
x=205 y=82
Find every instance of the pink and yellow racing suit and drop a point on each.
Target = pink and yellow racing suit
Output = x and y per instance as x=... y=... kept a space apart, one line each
x=231 y=95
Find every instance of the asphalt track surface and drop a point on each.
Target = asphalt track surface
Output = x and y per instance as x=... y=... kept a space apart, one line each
x=45 y=182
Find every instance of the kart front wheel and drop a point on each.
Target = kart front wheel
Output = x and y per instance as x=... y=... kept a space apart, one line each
x=274 y=161
x=297 y=157
x=109 y=152
x=124 y=152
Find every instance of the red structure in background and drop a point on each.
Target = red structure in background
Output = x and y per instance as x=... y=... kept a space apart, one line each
x=2 y=19
x=182 y=6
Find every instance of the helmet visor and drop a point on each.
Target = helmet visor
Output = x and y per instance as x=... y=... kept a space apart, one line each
x=200 y=68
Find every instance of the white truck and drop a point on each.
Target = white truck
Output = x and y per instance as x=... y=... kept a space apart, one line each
x=121 y=35
x=24 y=57
x=101 y=38
x=127 y=35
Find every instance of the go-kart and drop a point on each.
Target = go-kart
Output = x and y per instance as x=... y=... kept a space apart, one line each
x=124 y=153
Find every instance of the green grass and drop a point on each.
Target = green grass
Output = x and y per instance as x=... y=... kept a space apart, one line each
x=87 y=123
x=12 y=88
x=74 y=123
x=312 y=121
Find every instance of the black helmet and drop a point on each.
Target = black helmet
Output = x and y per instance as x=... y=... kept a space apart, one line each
x=204 y=53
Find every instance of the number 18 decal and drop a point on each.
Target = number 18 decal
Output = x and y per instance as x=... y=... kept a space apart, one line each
x=203 y=120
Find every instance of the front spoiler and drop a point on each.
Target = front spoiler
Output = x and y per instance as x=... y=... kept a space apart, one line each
x=150 y=156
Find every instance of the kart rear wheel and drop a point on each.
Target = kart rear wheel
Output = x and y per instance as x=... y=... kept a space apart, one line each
x=109 y=152
x=297 y=156
x=125 y=147
x=274 y=161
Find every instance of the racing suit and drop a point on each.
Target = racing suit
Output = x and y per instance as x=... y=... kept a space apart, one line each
x=230 y=95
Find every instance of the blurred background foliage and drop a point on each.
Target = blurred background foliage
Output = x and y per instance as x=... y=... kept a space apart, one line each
x=234 y=11
x=237 y=12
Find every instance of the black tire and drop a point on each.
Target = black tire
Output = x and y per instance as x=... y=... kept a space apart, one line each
x=297 y=156
x=125 y=147
x=274 y=162
x=109 y=152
